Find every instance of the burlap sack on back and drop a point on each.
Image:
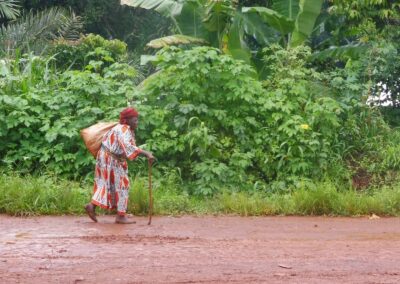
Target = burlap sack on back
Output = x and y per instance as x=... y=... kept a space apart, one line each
x=93 y=135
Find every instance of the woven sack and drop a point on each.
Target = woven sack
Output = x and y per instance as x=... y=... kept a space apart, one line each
x=93 y=135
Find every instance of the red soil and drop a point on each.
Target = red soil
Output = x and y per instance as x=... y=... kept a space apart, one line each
x=200 y=250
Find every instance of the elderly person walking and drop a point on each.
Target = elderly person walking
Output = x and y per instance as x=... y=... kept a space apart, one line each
x=111 y=183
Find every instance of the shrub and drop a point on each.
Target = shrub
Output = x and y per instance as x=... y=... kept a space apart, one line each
x=43 y=111
x=207 y=115
x=201 y=110
x=90 y=51
x=204 y=115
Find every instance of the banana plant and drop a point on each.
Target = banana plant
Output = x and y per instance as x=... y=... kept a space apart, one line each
x=223 y=24
x=293 y=19
x=219 y=23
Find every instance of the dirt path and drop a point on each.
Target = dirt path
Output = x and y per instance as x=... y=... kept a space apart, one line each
x=200 y=250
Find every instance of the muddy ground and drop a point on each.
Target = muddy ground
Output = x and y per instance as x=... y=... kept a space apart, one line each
x=200 y=250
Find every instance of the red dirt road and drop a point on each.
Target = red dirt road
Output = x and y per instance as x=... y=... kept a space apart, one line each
x=200 y=250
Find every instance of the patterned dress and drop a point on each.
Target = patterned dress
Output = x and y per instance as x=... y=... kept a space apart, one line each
x=111 y=182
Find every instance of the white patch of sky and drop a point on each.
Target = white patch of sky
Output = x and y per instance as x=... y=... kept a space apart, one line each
x=382 y=98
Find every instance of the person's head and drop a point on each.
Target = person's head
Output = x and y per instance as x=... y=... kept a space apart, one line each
x=129 y=116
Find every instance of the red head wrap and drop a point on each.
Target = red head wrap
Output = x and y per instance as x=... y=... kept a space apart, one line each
x=127 y=113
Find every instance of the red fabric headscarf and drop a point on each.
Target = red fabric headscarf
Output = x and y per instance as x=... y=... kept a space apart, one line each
x=127 y=113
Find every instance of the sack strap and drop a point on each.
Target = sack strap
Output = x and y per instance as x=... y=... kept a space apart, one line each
x=120 y=158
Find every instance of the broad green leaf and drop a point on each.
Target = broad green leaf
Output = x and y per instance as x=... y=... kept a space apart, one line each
x=254 y=26
x=288 y=8
x=217 y=15
x=305 y=21
x=190 y=19
x=167 y=8
x=353 y=51
x=236 y=46
x=175 y=40
x=274 y=19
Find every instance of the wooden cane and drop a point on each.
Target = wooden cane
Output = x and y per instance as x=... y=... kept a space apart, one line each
x=150 y=194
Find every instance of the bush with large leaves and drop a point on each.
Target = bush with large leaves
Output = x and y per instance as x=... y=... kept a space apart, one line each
x=42 y=112
x=200 y=112
x=203 y=114
x=207 y=115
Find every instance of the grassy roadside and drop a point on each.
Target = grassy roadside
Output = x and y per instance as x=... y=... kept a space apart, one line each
x=47 y=195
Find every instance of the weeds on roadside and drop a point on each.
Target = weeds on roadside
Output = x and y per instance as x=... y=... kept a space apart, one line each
x=28 y=195
x=49 y=195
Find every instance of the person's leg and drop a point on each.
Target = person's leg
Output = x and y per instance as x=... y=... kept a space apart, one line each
x=122 y=219
x=91 y=211
x=90 y=208
x=122 y=204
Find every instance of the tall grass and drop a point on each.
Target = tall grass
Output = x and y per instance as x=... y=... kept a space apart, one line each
x=167 y=200
x=322 y=199
x=27 y=195
x=43 y=195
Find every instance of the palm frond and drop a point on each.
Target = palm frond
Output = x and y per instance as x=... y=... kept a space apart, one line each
x=37 y=30
x=72 y=26
x=9 y=9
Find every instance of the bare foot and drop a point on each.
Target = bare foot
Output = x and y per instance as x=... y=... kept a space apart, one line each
x=90 y=211
x=123 y=220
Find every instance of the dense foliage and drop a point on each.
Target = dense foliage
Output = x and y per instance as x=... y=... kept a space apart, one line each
x=108 y=19
x=203 y=109
x=207 y=115
x=280 y=92
x=42 y=111
x=91 y=49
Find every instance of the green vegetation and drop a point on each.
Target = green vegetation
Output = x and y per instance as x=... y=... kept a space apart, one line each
x=251 y=107
x=223 y=127
x=35 y=30
x=27 y=195
x=42 y=109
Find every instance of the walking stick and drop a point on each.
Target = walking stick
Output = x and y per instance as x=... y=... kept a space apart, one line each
x=150 y=194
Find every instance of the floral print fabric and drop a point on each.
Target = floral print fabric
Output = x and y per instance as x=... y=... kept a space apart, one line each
x=111 y=182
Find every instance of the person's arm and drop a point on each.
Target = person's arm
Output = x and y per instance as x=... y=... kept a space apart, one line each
x=128 y=144
x=129 y=147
